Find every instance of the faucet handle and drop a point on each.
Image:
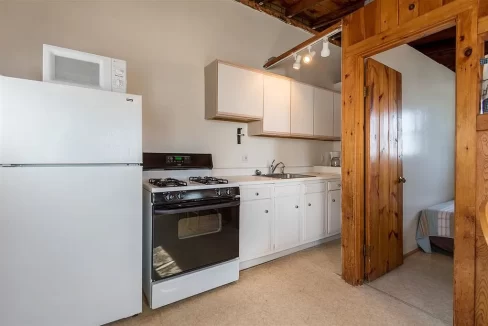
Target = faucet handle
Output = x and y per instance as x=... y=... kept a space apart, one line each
x=272 y=162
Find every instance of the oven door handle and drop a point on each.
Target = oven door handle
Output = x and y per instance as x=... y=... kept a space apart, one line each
x=195 y=208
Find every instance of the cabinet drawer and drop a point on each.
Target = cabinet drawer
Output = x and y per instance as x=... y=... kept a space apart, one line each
x=314 y=187
x=255 y=192
x=287 y=190
x=334 y=185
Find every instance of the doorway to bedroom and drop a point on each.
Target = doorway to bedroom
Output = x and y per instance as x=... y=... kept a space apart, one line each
x=410 y=170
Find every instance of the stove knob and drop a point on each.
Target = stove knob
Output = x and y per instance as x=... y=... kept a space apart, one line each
x=217 y=191
x=228 y=191
x=179 y=195
x=170 y=197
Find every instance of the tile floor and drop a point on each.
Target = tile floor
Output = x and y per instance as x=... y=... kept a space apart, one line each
x=301 y=289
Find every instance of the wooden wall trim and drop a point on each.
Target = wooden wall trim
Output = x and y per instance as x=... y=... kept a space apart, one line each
x=467 y=85
x=483 y=25
x=429 y=23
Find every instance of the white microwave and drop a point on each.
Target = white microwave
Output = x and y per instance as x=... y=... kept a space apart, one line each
x=77 y=68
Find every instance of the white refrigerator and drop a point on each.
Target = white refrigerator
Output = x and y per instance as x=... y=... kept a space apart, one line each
x=70 y=204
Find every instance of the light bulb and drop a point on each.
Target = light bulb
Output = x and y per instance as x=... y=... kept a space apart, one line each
x=325 y=49
x=308 y=57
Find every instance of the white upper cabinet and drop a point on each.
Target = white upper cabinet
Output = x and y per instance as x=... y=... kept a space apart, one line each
x=302 y=109
x=233 y=93
x=337 y=114
x=276 y=118
x=323 y=112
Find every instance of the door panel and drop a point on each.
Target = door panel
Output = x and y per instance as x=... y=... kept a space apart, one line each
x=46 y=123
x=384 y=202
x=334 y=217
x=315 y=216
x=276 y=105
x=323 y=112
x=255 y=229
x=287 y=222
x=301 y=109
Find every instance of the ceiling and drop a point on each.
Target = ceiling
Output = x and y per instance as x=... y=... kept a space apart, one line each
x=316 y=15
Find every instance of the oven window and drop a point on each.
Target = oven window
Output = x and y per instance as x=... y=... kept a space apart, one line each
x=190 y=240
x=196 y=225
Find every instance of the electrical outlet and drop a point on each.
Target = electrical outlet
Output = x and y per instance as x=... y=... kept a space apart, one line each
x=244 y=158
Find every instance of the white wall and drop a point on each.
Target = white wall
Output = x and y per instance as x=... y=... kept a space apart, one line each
x=167 y=44
x=428 y=121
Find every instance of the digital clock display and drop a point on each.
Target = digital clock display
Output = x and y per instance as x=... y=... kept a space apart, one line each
x=178 y=158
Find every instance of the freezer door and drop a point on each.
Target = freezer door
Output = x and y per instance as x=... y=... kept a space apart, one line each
x=46 y=123
x=71 y=245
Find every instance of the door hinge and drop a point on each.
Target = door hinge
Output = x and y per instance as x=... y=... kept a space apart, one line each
x=365 y=91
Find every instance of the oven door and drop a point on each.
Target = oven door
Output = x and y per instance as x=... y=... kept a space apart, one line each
x=185 y=239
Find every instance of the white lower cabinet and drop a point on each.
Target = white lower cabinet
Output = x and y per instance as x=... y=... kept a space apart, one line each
x=287 y=222
x=315 y=217
x=334 y=218
x=256 y=229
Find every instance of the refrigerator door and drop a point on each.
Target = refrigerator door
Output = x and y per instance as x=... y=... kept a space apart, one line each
x=46 y=123
x=71 y=245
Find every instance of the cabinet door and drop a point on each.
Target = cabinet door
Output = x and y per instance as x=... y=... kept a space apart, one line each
x=315 y=217
x=276 y=105
x=301 y=109
x=337 y=115
x=323 y=112
x=240 y=91
x=255 y=229
x=287 y=222
x=334 y=216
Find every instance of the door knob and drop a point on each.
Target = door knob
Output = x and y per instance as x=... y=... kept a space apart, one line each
x=309 y=204
x=266 y=211
x=402 y=180
x=296 y=206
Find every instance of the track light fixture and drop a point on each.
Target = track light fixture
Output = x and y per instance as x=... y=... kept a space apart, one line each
x=325 y=49
x=296 y=64
x=309 y=56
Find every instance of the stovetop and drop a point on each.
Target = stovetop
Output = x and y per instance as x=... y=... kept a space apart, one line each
x=174 y=184
x=168 y=182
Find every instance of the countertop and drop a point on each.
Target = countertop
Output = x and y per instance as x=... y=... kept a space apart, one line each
x=243 y=180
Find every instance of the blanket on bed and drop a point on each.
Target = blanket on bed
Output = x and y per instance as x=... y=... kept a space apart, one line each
x=437 y=220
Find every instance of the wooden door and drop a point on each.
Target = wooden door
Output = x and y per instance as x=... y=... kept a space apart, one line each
x=314 y=216
x=276 y=105
x=323 y=112
x=287 y=222
x=384 y=186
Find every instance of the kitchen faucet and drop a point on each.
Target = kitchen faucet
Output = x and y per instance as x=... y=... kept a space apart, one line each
x=272 y=167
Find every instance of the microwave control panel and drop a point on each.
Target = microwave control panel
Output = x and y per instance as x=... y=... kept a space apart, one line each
x=119 y=76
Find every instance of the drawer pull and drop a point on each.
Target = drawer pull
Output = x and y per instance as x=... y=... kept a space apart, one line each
x=266 y=211
x=296 y=206
x=257 y=194
x=338 y=185
x=309 y=204
x=333 y=200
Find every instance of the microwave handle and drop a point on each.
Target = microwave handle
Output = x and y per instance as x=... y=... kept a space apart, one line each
x=194 y=208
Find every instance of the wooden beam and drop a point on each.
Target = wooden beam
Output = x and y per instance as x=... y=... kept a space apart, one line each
x=338 y=14
x=302 y=45
x=262 y=2
x=301 y=6
x=281 y=16
x=482 y=122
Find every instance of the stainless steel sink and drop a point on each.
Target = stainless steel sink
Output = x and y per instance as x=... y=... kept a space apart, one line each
x=287 y=176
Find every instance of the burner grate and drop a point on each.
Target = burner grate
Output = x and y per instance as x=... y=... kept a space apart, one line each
x=209 y=180
x=168 y=182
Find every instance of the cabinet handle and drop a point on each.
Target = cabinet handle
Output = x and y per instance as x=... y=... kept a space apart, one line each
x=257 y=194
x=339 y=185
x=296 y=206
x=266 y=211
x=333 y=200
x=309 y=204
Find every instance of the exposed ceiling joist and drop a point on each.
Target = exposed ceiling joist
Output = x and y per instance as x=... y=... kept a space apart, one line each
x=300 y=6
x=262 y=2
x=336 y=15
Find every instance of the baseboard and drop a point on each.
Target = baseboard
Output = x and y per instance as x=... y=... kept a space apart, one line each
x=410 y=253
x=276 y=255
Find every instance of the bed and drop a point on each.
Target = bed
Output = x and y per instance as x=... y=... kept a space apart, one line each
x=436 y=227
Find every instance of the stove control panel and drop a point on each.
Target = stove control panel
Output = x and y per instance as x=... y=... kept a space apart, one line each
x=174 y=197
x=178 y=160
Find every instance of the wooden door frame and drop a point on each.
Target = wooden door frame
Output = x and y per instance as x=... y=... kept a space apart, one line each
x=464 y=15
